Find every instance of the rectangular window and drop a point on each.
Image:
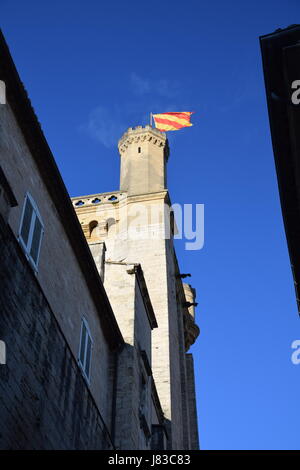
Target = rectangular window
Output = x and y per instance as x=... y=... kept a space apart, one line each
x=85 y=350
x=31 y=231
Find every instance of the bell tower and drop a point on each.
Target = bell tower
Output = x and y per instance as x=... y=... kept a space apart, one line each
x=144 y=154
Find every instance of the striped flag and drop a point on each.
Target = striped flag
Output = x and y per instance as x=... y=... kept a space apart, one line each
x=172 y=121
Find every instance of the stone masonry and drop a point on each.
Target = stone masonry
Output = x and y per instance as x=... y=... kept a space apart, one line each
x=45 y=403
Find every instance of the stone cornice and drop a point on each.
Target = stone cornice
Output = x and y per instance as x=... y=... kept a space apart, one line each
x=148 y=197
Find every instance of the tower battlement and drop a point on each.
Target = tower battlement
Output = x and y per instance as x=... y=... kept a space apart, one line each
x=143 y=134
x=137 y=129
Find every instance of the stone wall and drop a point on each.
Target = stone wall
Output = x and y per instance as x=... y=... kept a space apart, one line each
x=133 y=382
x=45 y=402
x=59 y=273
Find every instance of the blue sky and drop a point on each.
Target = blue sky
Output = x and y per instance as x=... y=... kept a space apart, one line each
x=92 y=69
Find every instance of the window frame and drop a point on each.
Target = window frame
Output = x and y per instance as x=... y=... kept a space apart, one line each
x=34 y=216
x=84 y=323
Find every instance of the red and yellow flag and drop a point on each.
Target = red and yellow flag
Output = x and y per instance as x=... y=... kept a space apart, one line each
x=172 y=121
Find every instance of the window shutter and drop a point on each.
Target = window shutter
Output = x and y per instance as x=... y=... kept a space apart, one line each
x=83 y=343
x=85 y=350
x=31 y=231
x=88 y=357
x=26 y=222
x=36 y=240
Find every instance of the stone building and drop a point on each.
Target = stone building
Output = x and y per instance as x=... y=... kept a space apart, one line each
x=95 y=317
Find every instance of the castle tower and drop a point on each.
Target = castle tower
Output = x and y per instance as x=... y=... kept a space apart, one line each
x=144 y=154
x=143 y=188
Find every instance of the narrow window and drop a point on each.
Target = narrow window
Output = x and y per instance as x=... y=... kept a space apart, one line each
x=85 y=350
x=31 y=231
x=139 y=150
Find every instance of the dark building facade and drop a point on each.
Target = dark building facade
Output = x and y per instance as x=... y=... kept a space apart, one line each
x=281 y=65
x=45 y=402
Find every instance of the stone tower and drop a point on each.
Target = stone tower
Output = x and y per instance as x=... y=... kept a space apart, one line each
x=144 y=154
x=134 y=225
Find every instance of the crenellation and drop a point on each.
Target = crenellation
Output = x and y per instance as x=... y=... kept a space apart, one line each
x=140 y=134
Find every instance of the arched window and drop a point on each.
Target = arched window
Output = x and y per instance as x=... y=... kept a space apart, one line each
x=93 y=228
x=111 y=221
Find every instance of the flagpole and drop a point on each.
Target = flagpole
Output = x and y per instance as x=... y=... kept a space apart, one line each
x=151 y=119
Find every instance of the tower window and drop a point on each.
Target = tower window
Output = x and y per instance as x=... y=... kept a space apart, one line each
x=85 y=350
x=139 y=149
x=31 y=231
